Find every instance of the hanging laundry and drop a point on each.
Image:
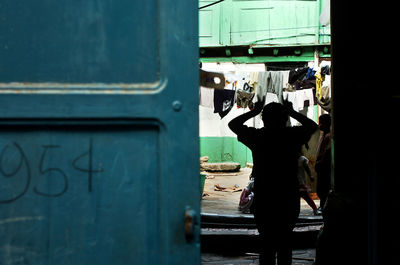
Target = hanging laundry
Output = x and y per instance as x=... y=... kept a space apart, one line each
x=248 y=88
x=305 y=98
x=275 y=84
x=325 y=105
x=325 y=97
x=326 y=88
x=224 y=100
x=243 y=85
x=297 y=74
x=253 y=80
x=244 y=99
x=243 y=81
x=310 y=74
x=230 y=78
x=325 y=70
x=319 y=80
x=325 y=93
x=207 y=97
x=303 y=102
x=271 y=97
x=304 y=84
x=325 y=101
x=290 y=87
x=327 y=81
x=269 y=81
x=261 y=87
x=285 y=79
x=291 y=97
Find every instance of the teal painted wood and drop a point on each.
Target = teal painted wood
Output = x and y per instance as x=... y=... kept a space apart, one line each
x=252 y=22
x=99 y=132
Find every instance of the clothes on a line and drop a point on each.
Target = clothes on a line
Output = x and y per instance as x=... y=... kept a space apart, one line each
x=303 y=86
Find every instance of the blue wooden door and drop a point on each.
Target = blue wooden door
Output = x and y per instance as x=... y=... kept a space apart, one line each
x=99 y=132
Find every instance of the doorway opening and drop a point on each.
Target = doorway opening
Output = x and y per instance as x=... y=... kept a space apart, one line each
x=237 y=42
x=225 y=162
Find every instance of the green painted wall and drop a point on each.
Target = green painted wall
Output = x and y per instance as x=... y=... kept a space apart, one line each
x=225 y=149
x=260 y=23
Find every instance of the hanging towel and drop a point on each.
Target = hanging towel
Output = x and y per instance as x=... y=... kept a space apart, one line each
x=305 y=98
x=207 y=97
x=224 y=100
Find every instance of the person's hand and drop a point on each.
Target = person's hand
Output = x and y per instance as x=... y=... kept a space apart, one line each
x=258 y=106
x=288 y=106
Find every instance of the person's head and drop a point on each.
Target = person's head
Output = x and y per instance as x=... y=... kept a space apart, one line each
x=325 y=122
x=275 y=115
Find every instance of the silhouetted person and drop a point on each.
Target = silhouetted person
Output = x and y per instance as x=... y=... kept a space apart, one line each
x=323 y=161
x=305 y=190
x=275 y=149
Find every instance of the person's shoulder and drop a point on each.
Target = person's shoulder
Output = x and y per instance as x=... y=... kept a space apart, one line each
x=249 y=136
x=248 y=132
x=247 y=129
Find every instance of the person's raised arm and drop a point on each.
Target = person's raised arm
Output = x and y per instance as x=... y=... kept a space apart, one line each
x=236 y=124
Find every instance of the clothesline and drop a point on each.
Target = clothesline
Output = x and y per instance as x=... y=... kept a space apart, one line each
x=304 y=86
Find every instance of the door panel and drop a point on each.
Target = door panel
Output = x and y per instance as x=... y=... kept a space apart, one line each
x=76 y=185
x=99 y=132
x=84 y=41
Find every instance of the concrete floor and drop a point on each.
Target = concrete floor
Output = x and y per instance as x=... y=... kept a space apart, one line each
x=226 y=202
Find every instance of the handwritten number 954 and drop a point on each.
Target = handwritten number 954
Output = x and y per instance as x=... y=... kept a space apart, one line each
x=54 y=172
